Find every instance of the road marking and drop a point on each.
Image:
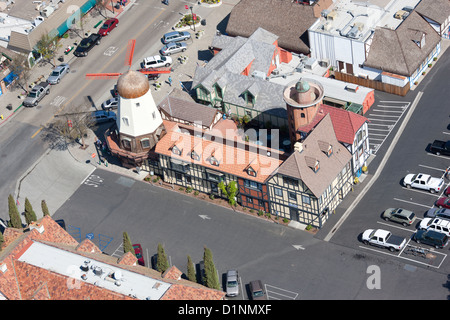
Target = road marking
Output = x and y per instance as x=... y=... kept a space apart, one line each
x=110 y=51
x=394 y=226
x=417 y=204
x=438 y=169
x=78 y=93
x=273 y=291
x=422 y=192
x=298 y=247
x=204 y=217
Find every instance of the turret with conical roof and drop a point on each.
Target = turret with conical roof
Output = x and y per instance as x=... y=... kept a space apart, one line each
x=303 y=98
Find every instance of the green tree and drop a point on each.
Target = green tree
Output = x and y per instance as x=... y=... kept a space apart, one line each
x=162 y=263
x=44 y=207
x=211 y=277
x=191 y=270
x=48 y=47
x=30 y=215
x=14 y=216
x=127 y=246
x=229 y=191
x=1 y=241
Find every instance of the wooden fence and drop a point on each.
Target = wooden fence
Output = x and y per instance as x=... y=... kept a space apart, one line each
x=377 y=85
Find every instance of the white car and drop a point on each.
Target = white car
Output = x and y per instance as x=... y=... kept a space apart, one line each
x=156 y=62
x=384 y=239
x=110 y=104
x=424 y=182
x=436 y=224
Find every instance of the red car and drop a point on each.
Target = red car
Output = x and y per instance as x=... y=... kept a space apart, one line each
x=108 y=26
x=447 y=191
x=138 y=251
x=443 y=202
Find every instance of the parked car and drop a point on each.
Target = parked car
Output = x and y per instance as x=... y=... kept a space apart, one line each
x=435 y=212
x=110 y=104
x=173 y=47
x=87 y=44
x=101 y=116
x=175 y=36
x=257 y=290
x=432 y=238
x=447 y=191
x=139 y=254
x=384 y=239
x=36 y=94
x=58 y=73
x=156 y=62
x=443 y=202
x=439 y=147
x=436 y=224
x=424 y=182
x=108 y=26
x=232 y=284
x=152 y=76
x=405 y=217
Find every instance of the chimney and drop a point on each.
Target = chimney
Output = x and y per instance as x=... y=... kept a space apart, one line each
x=298 y=146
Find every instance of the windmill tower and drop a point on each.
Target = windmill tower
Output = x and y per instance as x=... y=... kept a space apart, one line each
x=139 y=123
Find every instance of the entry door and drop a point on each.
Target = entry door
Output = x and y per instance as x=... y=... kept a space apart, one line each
x=293 y=213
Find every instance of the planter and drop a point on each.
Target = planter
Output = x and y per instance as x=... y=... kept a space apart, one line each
x=210 y=3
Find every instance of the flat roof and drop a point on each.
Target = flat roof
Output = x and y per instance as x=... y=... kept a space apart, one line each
x=100 y=274
x=358 y=19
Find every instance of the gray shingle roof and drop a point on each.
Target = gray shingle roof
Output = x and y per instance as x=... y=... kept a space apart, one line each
x=437 y=10
x=395 y=51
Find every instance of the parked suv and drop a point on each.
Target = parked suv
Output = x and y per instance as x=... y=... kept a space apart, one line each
x=432 y=238
x=436 y=224
x=175 y=36
x=156 y=62
x=405 y=217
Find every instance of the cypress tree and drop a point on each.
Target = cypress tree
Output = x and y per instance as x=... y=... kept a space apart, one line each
x=127 y=246
x=44 y=207
x=1 y=240
x=30 y=216
x=162 y=263
x=14 y=216
x=211 y=277
x=191 y=270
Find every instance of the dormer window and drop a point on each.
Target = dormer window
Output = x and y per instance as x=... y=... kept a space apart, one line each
x=176 y=150
x=218 y=91
x=316 y=166
x=213 y=160
x=249 y=99
x=195 y=156
x=325 y=147
x=251 y=172
x=329 y=151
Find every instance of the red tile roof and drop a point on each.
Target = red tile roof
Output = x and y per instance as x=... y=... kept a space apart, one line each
x=232 y=160
x=345 y=123
x=20 y=280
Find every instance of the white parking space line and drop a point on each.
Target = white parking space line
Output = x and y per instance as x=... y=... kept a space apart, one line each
x=433 y=168
x=423 y=192
x=275 y=293
x=391 y=225
x=415 y=203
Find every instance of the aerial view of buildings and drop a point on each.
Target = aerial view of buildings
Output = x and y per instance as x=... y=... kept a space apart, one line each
x=245 y=150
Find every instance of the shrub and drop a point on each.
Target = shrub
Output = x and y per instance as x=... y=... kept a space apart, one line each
x=285 y=220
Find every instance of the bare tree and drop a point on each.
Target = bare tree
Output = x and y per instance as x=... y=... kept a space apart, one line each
x=19 y=67
x=48 y=47
x=69 y=128
x=100 y=6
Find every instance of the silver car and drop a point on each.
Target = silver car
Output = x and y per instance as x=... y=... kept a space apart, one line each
x=405 y=217
x=57 y=73
x=173 y=47
x=110 y=104
x=232 y=283
x=175 y=36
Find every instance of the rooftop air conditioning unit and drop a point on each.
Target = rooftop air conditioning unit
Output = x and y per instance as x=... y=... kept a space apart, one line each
x=47 y=11
x=276 y=72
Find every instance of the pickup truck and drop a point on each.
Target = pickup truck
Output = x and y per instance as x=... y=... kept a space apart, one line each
x=36 y=94
x=384 y=239
x=424 y=182
x=87 y=44
x=439 y=147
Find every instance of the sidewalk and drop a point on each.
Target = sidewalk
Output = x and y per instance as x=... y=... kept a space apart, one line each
x=44 y=180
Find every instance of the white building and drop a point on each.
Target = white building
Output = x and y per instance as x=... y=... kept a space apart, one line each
x=345 y=32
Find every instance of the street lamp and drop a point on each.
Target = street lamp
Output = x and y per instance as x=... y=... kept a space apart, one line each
x=192 y=14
